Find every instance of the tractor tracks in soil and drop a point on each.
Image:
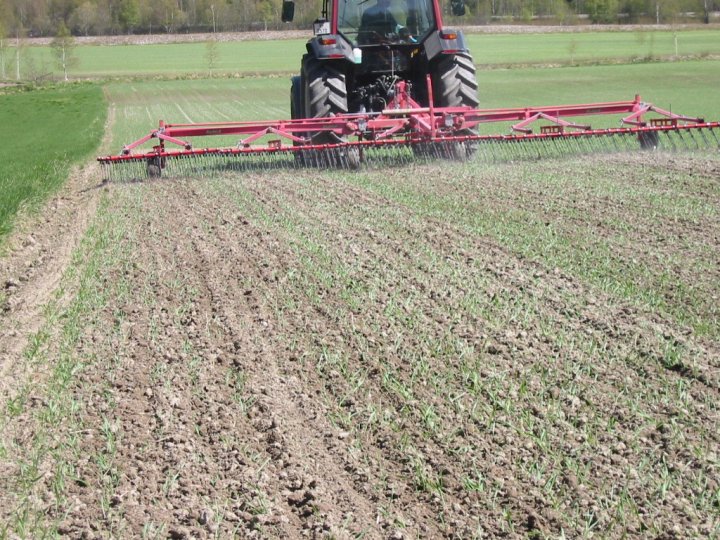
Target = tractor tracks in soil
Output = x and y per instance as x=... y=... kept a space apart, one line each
x=247 y=278
x=38 y=254
x=246 y=455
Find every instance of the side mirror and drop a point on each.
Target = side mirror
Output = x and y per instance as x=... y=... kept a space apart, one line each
x=457 y=7
x=288 y=11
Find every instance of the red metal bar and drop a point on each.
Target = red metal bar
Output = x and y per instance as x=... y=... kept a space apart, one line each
x=334 y=17
x=143 y=140
x=274 y=147
x=167 y=138
x=438 y=15
x=554 y=119
x=404 y=121
x=431 y=101
x=636 y=118
x=267 y=131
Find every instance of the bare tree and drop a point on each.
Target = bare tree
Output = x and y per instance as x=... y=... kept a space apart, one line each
x=212 y=54
x=19 y=47
x=63 y=46
x=3 y=36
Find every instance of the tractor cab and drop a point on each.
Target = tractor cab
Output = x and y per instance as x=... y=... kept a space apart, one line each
x=373 y=22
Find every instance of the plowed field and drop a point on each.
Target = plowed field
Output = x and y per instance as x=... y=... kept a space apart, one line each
x=445 y=350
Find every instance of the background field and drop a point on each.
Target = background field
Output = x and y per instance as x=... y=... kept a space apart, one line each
x=283 y=56
x=523 y=350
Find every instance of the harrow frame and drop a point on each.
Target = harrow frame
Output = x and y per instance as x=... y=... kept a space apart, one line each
x=405 y=123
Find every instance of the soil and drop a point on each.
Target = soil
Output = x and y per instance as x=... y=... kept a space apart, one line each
x=35 y=257
x=293 y=355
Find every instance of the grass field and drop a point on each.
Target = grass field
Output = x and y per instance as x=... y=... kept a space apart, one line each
x=44 y=132
x=283 y=56
x=524 y=350
x=687 y=87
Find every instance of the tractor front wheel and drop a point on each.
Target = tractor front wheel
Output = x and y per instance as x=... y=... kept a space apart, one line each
x=325 y=94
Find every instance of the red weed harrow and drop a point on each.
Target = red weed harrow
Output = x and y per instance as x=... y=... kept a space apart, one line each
x=404 y=132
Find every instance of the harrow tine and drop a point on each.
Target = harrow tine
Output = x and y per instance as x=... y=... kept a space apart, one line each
x=717 y=142
x=379 y=154
x=684 y=141
x=605 y=144
x=687 y=140
x=692 y=136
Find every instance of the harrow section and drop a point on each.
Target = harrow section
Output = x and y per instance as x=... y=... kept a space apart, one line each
x=405 y=132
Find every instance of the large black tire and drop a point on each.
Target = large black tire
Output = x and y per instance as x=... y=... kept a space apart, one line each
x=325 y=93
x=454 y=82
x=649 y=140
x=455 y=85
x=296 y=98
x=297 y=106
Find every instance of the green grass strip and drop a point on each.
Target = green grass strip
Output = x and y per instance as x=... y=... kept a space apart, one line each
x=43 y=133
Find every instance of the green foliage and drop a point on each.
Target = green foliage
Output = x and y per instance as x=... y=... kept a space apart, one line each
x=44 y=132
x=602 y=11
x=3 y=50
x=129 y=14
x=85 y=18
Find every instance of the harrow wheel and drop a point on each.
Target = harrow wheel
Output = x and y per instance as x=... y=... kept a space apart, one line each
x=154 y=167
x=350 y=158
x=649 y=140
x=451 y=150
x=335 y=158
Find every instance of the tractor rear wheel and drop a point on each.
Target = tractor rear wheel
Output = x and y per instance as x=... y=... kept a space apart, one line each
x=325 y=94
x=455 y=85
x=296 y=98
x=296 y=112
x=454 y=82
x=325 y=89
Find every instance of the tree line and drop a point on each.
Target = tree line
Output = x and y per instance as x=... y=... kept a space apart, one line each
x=37 y=18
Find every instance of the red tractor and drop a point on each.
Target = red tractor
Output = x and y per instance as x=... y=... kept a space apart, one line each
x=384 y=80
x=362 y=49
